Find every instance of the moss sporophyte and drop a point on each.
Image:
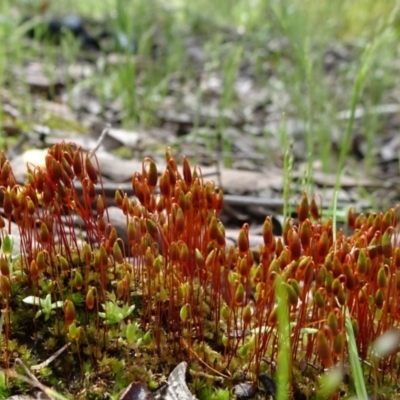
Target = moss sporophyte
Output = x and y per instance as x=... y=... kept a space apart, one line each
x=174 y=289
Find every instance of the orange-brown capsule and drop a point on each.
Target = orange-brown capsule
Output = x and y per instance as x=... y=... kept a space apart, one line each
x=54 y=169
x=267 y=233
x=152 y=175
x=78 y=280
x=69 y=312
x=86 y=254
x=165 y=184
x=183 y=253
x=213 y=229
x=294 y=244
x=64 y=265
x=152 y=229
x=379 y=298
x=323 y=348
x=397 y=257
x=44 y=235
x=361 y=263
x=5 y=173
x=90 y=170
x=319 y=298
x=382 y=278
x=388 y=220
x=4 y=266
x=101 y=225
x=323 y=245
x=332 y=322
x=219 y=200
x=314 y=210
x=148 y=258
x=41 y=261
x=7 y=204
x=363 y=295
x=179 y=224
x=247 y=315
x=34 y=271
x=338 y=345
x=321 y=275
x=305 y=234
x=100 y=206
x=273 y=317
x=90 y=299
x=303 y=208
x=187 y=173
x=120 y=290
x=387 y=244
x=5 y=285
x=117 y=253
x=239 y=295
x=292 y=295
x=200 y=263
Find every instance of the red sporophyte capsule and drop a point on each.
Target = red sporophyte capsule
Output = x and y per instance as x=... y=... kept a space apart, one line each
x=152 y=175
x=33 y=271
x=64 y=264
x=388 y=219
x=267 y=233
x=387 y=243
x=174 y=252
x=77 y=163
x=165 y=184
x=101 y=225
x=213 y=229
x=69 y=312
x=149 y=258
x=199 y=259
x=294 y=244
x=7 y=204
x=187 y=173
x=338 y=345
x=362 y=262
x=90 y=191
x=152 y=229
x=90 y=299
x=382 y=278
x=323 y=347
x=314 y=210
x=247 y=314
x=303 y=208
x=5 y=285
x=44 y=235
x=5 y=173
x=78 y=280
x=100 y=206
x=379 y=298
x=86 y=254
x=4 y=267
x=66 y=166
x=120 y=289
x=243 y=239
x=117 y=253
x=118 y=198
x=90 y=169
x=53 y=168
x=323 y=245
x=219 y=201
x=239 y=295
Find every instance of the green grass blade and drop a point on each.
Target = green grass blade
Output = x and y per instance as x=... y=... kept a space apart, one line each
x=355 y=365
x=284 y=351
